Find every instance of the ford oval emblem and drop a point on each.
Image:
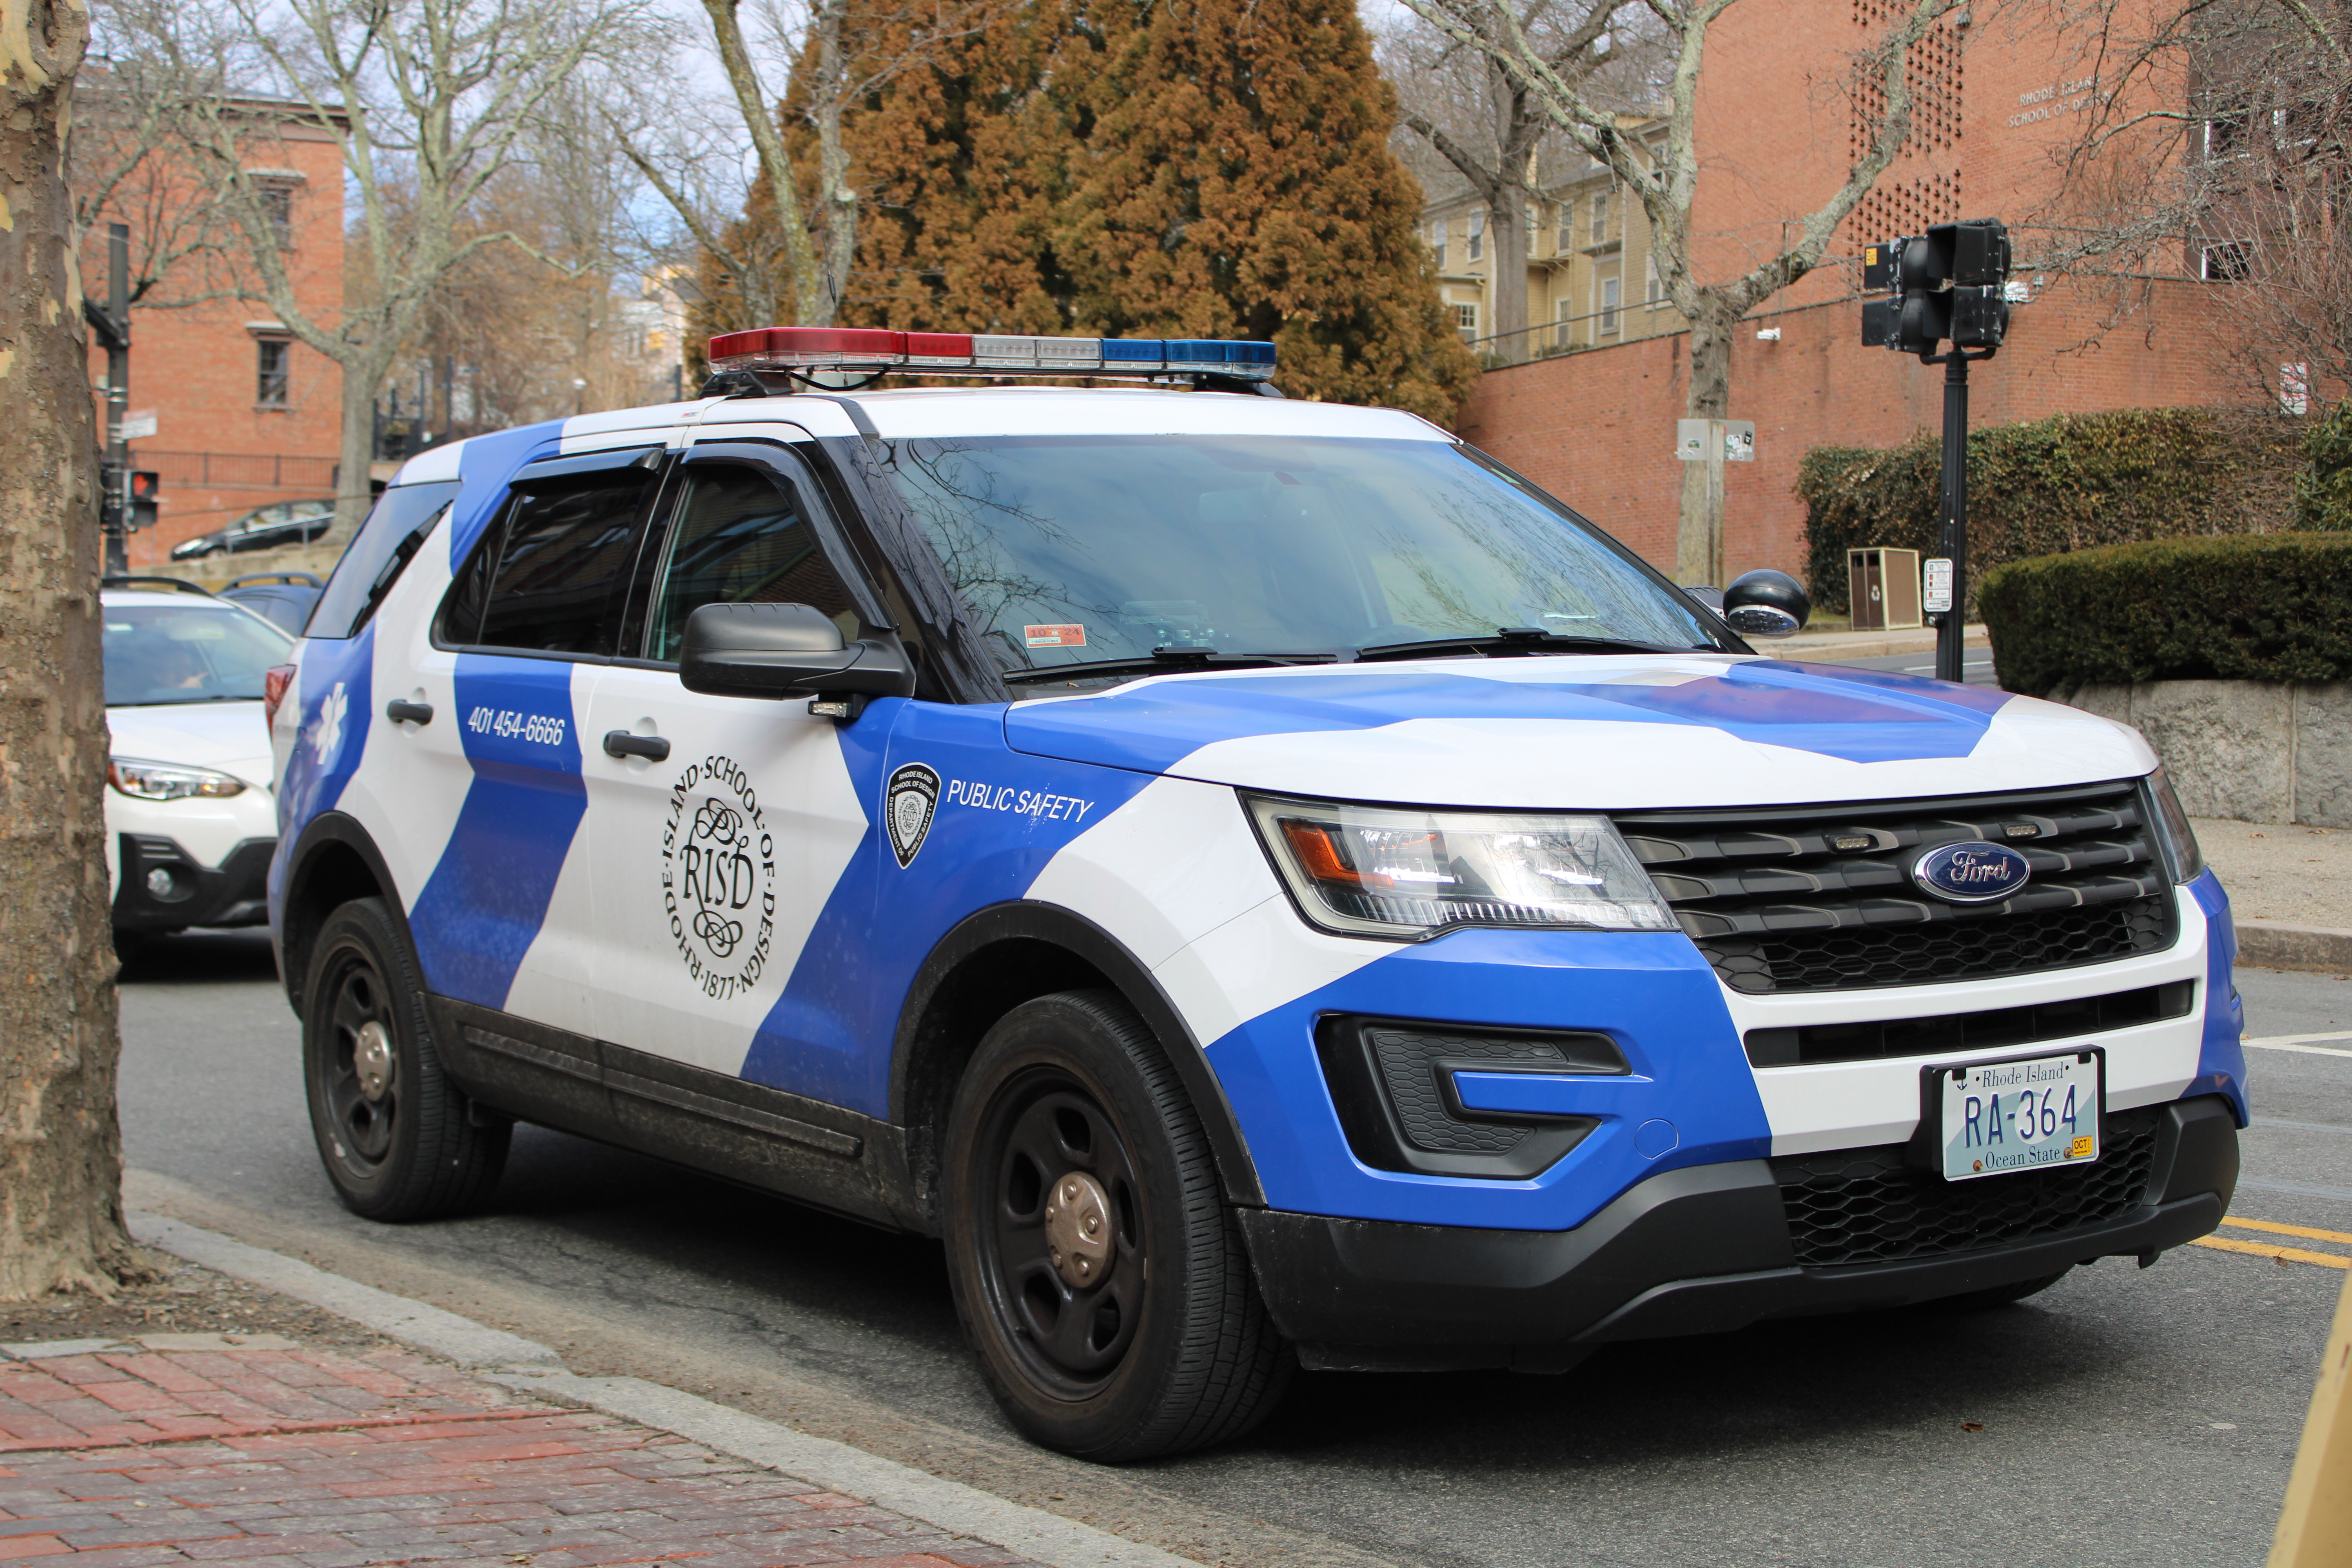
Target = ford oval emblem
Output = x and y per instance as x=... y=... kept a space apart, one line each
x=1972 y=873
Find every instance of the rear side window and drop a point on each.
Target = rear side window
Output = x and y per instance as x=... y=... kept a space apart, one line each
x=741 y=537
x=390 y=537
x=546 y=578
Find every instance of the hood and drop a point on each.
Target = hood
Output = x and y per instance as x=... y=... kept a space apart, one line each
x=229 y=736
x=1615 y=732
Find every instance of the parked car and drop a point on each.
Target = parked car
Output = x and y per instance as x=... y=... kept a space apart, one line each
x=263 y=528
x=191 y=816
x=282 y=598
x=1265 y=884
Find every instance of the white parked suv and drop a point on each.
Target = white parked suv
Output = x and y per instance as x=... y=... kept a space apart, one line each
x=191 y=818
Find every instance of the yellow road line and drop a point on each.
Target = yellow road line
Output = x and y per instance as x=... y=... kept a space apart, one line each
x=2284 y=1254
x=2304 y=1231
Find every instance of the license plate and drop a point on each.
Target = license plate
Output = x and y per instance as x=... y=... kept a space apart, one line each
x=2019 y=1115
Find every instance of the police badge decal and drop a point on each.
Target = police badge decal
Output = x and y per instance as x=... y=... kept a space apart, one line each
x=906 y=807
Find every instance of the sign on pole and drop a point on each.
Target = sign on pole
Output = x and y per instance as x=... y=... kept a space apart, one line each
x=1739 y=436
x=139 y=426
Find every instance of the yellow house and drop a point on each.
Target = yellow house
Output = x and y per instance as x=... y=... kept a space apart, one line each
x=1589 y=282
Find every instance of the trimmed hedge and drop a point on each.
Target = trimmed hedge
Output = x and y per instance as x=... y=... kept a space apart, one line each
x=2050 y=486
x=2271 y=606
x=2323 y=496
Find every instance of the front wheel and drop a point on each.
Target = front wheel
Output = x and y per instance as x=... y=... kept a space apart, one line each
x=1095 y=1267
x=398 y=1139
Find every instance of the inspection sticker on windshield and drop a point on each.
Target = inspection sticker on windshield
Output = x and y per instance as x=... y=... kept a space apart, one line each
x=1072 y=636
x=1999 y=1117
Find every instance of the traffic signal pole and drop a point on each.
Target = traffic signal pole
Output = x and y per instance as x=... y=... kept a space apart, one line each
x=114 y=507
x=1951 y=631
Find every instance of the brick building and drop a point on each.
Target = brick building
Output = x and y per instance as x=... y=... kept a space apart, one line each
x=1999 y=103
x=245 y=414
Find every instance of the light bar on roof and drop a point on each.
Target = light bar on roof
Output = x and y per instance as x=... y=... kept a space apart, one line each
x=872 y=349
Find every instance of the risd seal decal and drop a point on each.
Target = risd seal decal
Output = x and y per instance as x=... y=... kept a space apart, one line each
x=719 y=876
x=906 y=807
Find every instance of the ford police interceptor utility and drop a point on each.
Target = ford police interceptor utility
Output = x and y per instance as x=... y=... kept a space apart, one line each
x=1260 y=881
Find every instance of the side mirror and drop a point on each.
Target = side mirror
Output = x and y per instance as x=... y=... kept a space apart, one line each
x=788 y=650
x=1766 y=604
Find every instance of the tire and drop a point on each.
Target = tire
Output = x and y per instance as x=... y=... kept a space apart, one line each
x=397 y=1138
x=1168 y=1347
x=1997 y=1295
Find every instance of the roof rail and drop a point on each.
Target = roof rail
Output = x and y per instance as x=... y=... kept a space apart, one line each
x=180 y=584
x=294 y=579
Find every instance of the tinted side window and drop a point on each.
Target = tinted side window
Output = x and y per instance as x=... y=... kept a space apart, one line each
x=742 y=536
x=381 y=550
x=562 y=554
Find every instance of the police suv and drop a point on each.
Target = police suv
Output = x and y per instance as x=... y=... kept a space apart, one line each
x=1261 y=881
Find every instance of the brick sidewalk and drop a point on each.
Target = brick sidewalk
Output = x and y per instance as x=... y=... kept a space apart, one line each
x=165 y=1451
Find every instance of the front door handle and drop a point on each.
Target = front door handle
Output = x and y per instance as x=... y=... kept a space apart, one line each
x=622 y=743
x=401 y=712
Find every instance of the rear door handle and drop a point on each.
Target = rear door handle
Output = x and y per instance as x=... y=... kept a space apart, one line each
x=622 y=743
x=401 y=712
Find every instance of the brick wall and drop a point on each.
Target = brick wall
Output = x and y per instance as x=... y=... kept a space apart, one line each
x=2001 y=100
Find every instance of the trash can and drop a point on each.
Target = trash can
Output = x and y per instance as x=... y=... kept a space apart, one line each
x=1883 y=588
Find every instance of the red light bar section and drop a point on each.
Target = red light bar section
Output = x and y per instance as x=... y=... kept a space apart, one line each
x=810 y=345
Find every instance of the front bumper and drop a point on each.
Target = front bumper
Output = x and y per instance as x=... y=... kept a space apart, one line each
x=1699 y=1249
x=196 y=894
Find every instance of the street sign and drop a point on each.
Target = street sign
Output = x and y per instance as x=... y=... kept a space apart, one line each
x=1739 y=440
x=1938 y=599
x=137 y=426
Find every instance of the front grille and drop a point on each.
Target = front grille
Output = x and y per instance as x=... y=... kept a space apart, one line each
x=1820 y=898
x=1992 y=1029
x=1864 y=1205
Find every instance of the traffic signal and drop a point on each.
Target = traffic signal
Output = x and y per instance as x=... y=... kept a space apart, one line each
x=145 y=485
x=1946 y=286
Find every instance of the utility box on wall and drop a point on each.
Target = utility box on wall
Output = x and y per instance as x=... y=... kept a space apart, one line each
x=1883 y=588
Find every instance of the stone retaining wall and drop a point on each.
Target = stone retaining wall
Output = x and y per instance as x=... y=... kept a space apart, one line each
x=2259 y=750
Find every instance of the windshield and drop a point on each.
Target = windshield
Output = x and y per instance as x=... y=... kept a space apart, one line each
x=188 y=653
x=1080 y=549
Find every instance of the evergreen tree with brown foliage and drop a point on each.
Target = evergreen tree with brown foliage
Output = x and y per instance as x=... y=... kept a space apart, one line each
x=1157 y=168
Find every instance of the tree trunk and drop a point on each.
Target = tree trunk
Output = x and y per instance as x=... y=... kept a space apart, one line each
x=1507 y=241
x=1698 y=537
x=363 y=377
x=61 y=1149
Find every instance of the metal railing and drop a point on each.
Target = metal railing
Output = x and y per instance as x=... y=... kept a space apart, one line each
x=1600 y=328
x=239 y=470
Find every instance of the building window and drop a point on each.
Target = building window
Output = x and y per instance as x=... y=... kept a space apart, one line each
x=1608 y=307
x=1466 y=321
x=1563 y=333
x=276 y=203
x=2228 y=262
x=1653 y=287
x=1478 y=235
x=1567 y=233
x=269 y=382
x=1601 y=218
x=1437 y=241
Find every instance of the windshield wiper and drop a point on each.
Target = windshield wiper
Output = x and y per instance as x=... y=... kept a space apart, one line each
x=1513 y=642
x=1164 y=661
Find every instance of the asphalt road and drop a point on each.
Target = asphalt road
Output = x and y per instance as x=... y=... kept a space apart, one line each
x=2123 y=1417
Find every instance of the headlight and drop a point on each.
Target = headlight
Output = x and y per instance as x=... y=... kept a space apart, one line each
x=2172 y=830
x=169 y=781
x=1371 y=871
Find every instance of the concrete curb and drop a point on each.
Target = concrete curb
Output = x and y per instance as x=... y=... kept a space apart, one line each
x=530 y=1367
x=2266 y=944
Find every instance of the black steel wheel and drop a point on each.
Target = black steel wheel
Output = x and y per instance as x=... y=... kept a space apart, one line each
x=398 y=1139
x=1097 y=1268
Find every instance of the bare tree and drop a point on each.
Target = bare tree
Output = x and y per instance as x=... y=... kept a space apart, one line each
x=795 y=266
x=2215 y=143
x=429 y=100
x=122 y=165
x=60 y=1151
x=1489 y=133
x=1664 y=177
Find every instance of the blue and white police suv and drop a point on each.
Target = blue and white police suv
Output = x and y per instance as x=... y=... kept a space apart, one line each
x=1259 y=880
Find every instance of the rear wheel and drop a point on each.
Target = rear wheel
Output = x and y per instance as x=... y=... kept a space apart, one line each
x=396 y=1136
x=1097 y=1269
